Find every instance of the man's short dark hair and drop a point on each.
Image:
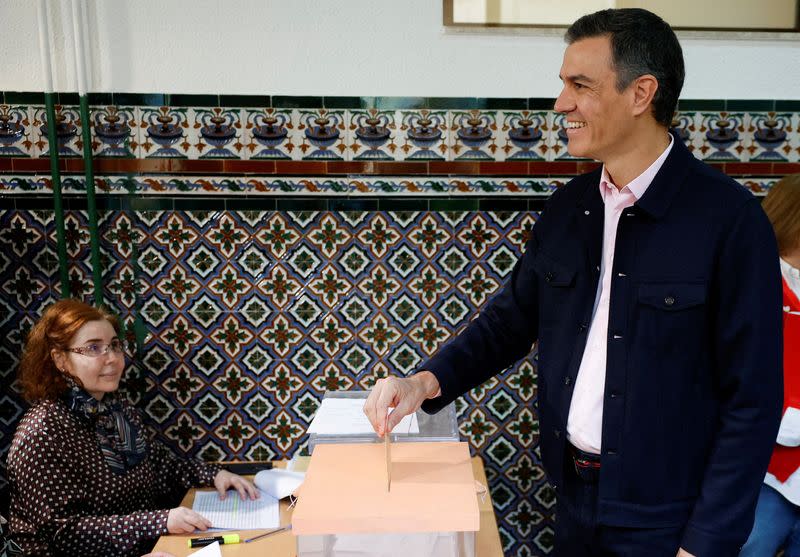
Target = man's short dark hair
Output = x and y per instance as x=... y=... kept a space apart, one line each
x=641 y=43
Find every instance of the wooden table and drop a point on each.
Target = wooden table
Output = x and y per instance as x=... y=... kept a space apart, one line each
x=283 y=544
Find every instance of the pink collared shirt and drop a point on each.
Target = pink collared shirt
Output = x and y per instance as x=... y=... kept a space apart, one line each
x=585 y=421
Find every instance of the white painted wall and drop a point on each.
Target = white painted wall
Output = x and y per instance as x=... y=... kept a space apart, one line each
x=340 y=47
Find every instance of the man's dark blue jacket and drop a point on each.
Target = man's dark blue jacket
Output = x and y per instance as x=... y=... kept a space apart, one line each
x=693 y=391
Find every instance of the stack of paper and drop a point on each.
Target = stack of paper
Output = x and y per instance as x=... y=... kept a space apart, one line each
x=232 y=513
x=345 y=416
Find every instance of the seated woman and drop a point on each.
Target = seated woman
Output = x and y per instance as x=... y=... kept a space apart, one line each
x=86 y=477
x=777 y=522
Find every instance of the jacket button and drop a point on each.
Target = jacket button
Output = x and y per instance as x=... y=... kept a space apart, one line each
x=583 y=327
x=548 y=277
x=557 y=433
x=567 y=380
x=669 y=301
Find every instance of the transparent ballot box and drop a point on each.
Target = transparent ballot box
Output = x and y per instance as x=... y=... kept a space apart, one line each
x=420 y=427
x=358 y=501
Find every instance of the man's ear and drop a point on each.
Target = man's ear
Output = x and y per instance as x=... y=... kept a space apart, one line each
x=644 y=90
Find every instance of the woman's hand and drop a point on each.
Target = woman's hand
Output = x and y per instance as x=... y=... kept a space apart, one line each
x=159 y=554
x=185 y=521
x=225 y=480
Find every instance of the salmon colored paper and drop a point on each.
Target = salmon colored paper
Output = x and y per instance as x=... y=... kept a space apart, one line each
x=433 y=489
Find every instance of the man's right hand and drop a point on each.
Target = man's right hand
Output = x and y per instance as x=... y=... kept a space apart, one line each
x=185 y=521
x=405 y=395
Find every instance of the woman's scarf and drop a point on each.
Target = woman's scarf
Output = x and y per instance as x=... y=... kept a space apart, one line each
x=122 y=444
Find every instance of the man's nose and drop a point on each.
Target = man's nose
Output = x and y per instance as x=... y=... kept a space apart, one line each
x=564 y=102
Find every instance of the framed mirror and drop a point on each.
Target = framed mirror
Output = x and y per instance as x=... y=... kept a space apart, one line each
x=779 y=16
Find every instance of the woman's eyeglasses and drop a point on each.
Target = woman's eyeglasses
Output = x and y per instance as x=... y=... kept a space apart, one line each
x=97 y=349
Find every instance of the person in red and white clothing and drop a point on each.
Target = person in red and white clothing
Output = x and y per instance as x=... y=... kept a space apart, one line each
x=777 y=523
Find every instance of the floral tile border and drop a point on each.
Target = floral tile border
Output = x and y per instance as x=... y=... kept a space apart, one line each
x=314 y=186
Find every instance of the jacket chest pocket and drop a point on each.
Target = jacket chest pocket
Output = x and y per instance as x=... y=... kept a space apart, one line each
x=671 y=317
x=556 y=288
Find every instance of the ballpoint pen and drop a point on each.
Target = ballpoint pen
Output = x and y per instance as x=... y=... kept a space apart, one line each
x=265 y=534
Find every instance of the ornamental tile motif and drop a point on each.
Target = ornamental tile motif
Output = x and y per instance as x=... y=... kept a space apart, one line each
x=183 y=384
x=68 y=131
x=230 y=287
x=331 y=336
x=372 y=134
x=232 y=336
x=332 y=379
x=724 y=136
x=324 y=134
x=178 y=287
x=115 y=131
x=277 y=236
x=425 y=135
x=281 y=336
x=523 y=135
x=267 y=134
x=226 y=236
x=278 y=286
x=474 y=136
x=379 y=286
x=234 y=432
x=216 y=133
x=165 y=133
x=15 y=131
x=380 y=335
x=379 y=236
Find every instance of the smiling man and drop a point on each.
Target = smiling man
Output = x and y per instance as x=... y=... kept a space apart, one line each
x=653 y=290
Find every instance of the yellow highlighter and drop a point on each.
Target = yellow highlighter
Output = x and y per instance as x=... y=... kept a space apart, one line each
x=208 y=540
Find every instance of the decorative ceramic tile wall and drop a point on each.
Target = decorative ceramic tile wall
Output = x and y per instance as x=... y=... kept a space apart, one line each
x=262 y=250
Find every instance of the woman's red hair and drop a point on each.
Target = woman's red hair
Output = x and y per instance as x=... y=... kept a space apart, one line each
x=38 y=376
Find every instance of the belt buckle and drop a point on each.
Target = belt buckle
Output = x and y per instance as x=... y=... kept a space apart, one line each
x=583 y=467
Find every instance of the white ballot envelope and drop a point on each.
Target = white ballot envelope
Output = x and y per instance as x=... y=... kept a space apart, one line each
x=278 y=483
x=212 y=550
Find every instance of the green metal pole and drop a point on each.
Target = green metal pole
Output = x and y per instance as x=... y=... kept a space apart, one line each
x=88 y=172
x=52 y=139
x=58 y=207
x=78 y=35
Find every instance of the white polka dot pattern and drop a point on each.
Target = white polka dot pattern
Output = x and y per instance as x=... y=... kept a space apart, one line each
x=65 y=500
